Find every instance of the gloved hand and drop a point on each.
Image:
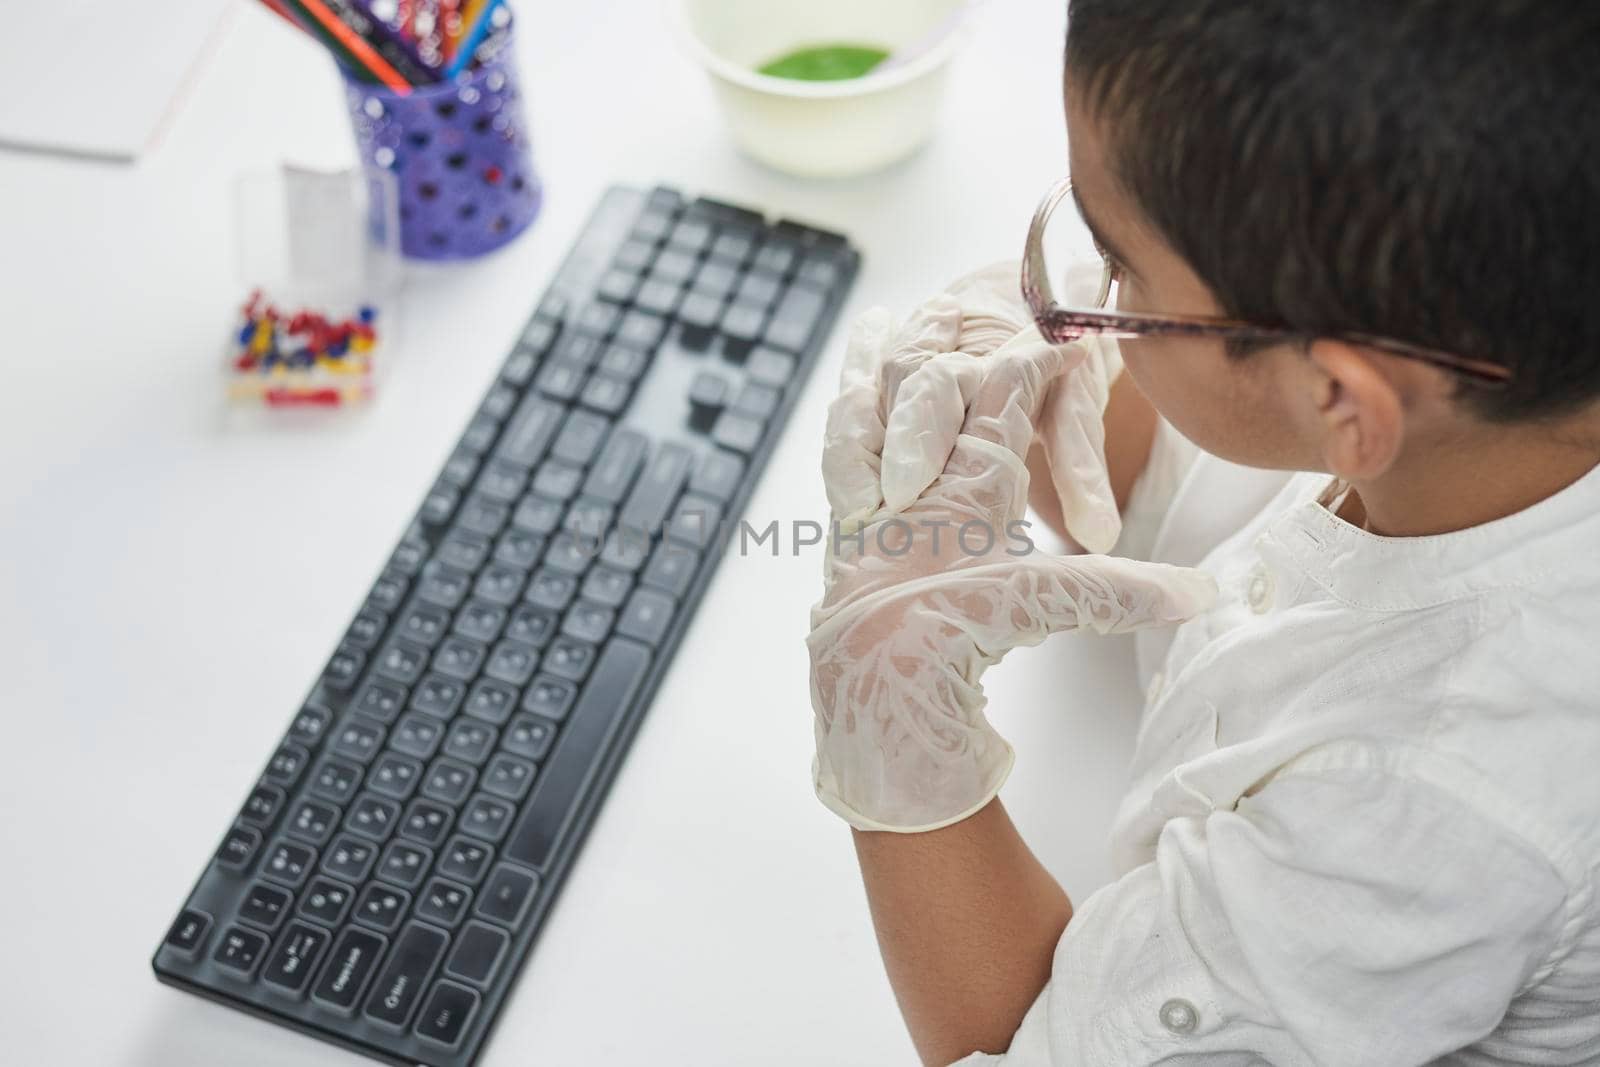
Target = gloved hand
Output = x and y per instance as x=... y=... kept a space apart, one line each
x=920 y=601
x=921 y=413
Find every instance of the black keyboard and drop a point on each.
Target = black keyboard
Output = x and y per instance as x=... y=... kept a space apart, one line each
x=386 y=876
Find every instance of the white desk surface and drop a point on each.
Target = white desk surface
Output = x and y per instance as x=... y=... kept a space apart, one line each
x=169 y=584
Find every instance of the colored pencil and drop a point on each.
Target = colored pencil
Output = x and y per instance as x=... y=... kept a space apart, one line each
x=476 y=30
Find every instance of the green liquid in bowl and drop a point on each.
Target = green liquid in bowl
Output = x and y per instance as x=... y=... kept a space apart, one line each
x=825 y=63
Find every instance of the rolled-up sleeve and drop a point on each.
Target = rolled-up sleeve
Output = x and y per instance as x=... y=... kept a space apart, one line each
x=1342 y=918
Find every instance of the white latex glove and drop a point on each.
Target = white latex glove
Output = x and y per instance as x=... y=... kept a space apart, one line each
x=908 y=623
x=922 y=412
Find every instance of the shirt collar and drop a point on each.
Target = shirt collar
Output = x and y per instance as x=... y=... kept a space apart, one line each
x=1377 y=573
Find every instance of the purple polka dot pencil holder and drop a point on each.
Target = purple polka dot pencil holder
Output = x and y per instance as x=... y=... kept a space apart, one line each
x=460 y=154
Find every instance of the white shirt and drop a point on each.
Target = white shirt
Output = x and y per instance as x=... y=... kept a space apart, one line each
x=1364 y=823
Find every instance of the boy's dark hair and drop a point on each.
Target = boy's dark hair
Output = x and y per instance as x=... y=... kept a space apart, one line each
x=1427 y=170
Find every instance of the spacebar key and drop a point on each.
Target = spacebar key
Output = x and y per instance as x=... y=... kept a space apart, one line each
x=568 y=771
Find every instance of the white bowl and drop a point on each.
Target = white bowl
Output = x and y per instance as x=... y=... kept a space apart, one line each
x=829 y=128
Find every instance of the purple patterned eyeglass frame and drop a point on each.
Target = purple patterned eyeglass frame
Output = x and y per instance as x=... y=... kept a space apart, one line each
x=1061 y=324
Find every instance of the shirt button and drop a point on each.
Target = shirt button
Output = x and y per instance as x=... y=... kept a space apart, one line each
x=1179 y=1016
x=1258 y=590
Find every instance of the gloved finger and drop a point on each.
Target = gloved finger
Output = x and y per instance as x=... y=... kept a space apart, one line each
x=1073 y=439
x=929 y=330
x=1047 y=594
x=923 y=425
x=1016 y=379
x=853 y=438
x=866 y=347
x=992 y=309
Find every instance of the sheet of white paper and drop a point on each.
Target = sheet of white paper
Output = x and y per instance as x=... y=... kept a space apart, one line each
x=98 y=78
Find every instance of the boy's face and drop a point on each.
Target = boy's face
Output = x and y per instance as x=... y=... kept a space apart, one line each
x=1244 y=410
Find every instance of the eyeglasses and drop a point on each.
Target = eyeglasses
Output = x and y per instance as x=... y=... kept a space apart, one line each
x=1088 y=291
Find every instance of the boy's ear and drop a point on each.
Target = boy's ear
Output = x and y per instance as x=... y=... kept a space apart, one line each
x=1361 y=411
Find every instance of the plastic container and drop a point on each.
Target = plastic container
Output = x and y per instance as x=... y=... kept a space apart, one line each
x=460 y=154
x=317 y=261
x=833 y=128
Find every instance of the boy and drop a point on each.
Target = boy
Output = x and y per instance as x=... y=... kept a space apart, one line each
x=1362 y=827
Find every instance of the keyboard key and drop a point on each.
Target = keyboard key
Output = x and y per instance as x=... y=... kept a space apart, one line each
x=478 y=952
x=756 y=400
x=671 y=568
x=501 y=400
x=696 y=521
x=581 y=437
x=588 y=621
x=796 y=319
x=551 y=590
x=699 y=315
x=344 y=667
x=531 y=736
x=652 y=226
x=351 y=963
x=326 y=901
x=238 y=848
x=262 y=806
x=551 y=698
x=358 y=738
x=634 y=256
x=487 y=818
x=647 y=616
x=372 y=816
x=758 y=290
x=417 y=735
x=733 y=246
x=541 y=333
x=291 y=964
x=187 y=935
x=287 y=765
x=444 y=902
x=539 y=515
x=426 y=822
x=367 y=627
x=626 y=549
x=605 y=394
x=289 y=863
x=508 y=777
x=458 y=657
x=505 y=897
x=769 y=367
x=491 y=701
x=402 y=661
x=564 y=777
x=776 y=257
x=466 y=860
x=438 y=696
x=459 y=469
x=336 y=780
x=658 y=296
x=741 y=324
x=440 y=504
x=404 y=864
x=464 y=551
x=741 y=433
x=449 y=781
x=517 y=369
x=617 y=285
x=607 y=587
x=444 y=1019
x=395 y=775
x=519 y=549
x=626 y=364
x=309 y=726
x=641 y=331
x=240 y=950
x=690 y=235
x=570 y=553
x=483 y=516
x=349 y=858
x=818 y=272
x=557 y=480
x=265 y=906
x=500 y=584
x=569 y=658
x=380 y=700
x=470 y=741
x=531 y=625
x=398 y=990
x=480 y=621
x=512 y=662
x=530 y=431
x=595 y=321
x=674 y=266
x=716 y=279
x=717 y=476
x=389 y=590
x=313 y=821
x=657 y=489
x=381 y=906
x=561 y=379
x=409 y=556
